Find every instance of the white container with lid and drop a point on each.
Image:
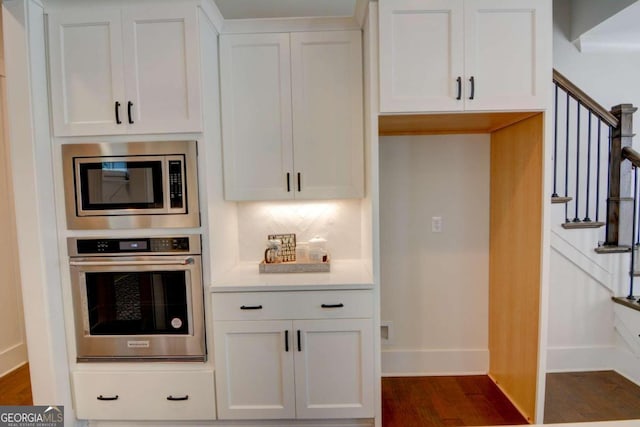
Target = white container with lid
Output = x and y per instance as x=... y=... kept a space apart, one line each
x=317 y=249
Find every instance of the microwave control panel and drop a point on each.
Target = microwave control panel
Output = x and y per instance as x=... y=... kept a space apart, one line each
x=175 y=184
x=128 y=246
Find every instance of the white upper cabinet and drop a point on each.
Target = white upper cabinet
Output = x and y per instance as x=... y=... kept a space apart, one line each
x=474 y=55
x=421 y=55
x=124 y=70
x=327 y=114
x=292 y=120
x=255 y=70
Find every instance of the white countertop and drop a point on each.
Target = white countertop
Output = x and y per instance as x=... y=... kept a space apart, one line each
x=344 y=274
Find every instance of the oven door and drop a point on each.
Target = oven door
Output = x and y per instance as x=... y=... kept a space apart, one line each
x=144 y=307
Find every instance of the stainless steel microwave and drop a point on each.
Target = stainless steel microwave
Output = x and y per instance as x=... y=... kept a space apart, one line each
x=131 y=185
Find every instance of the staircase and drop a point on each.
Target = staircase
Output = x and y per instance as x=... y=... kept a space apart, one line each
x=596 y=179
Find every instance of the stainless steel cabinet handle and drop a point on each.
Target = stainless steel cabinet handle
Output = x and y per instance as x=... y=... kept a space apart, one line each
x=186 y=261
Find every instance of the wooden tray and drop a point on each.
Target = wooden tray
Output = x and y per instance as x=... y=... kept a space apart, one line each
x=295 y=267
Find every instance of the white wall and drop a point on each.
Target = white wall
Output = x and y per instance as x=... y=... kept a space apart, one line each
x=434 y=286
x=13 y=349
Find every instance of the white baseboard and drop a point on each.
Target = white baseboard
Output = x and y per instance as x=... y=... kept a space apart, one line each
x=434 y=362
x=12 y=358
x=627 y=364
x=574 y=359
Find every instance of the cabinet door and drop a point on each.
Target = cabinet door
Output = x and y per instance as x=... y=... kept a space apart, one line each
x=327 y=114
x=509 y=72
x=254 y=369
x=85 y=49
x=421 y=55
x=162 y=69
x=255 y=74
x=334 y=368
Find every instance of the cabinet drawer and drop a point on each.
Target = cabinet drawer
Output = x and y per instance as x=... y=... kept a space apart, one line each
x=144 y=395
x=292 y=305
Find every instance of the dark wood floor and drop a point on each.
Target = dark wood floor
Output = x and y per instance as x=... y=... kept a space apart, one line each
x=461 y=400
x=445 y=401
x=15 y=388
x=590 y=396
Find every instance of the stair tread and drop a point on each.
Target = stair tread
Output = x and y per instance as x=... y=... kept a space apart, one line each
x=633 y=304
x=582 y=224
x=612 y=249
x=558 y=199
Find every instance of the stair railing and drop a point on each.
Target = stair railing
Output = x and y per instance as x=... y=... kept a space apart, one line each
x=581 y=127
x=580 y=164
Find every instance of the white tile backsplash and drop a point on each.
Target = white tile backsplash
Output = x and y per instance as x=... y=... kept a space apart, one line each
x=338 y=221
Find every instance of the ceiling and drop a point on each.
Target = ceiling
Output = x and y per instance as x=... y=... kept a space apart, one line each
x=256 y=9
x=619 y=32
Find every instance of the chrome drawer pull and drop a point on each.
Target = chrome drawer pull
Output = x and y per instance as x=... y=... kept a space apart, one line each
x=101 y=397
x=175 y=399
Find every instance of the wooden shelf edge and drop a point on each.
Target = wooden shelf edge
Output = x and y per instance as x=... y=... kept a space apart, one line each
x=449 y=123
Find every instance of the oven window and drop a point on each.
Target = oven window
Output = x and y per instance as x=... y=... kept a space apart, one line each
x=137 y=303
x=121 y=185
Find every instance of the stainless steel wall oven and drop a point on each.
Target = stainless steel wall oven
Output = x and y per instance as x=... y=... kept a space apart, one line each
x=137 y=298
x=131 y=185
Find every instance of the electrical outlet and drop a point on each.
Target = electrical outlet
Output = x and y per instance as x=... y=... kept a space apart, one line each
x=436 y=224
x=386 y=332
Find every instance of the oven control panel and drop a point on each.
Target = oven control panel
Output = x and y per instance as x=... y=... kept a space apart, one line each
x=105 y=246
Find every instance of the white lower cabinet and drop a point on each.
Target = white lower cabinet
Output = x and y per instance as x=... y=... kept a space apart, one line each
x=108 y=395
x=293 y=368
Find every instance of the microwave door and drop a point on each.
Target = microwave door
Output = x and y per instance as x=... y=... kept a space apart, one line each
x=121 y=185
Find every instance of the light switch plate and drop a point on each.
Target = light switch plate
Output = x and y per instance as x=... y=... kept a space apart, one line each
x=436 y=224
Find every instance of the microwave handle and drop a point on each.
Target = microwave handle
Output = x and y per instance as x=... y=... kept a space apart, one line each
x=186 y=261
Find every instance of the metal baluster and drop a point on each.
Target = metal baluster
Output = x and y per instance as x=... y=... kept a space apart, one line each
x=577 y=195
x=637 y=224
x=598 y=172
x=555 y=147
x=566 y=162
x=586 y=213
x=608 y=179
x=634 y=225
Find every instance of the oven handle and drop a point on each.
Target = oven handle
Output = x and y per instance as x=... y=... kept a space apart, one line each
x=186 y=261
